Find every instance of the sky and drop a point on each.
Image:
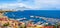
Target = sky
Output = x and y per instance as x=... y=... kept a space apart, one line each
x=31 y=4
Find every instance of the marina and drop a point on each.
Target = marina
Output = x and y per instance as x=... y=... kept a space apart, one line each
x=32 y=22
x=29 y=13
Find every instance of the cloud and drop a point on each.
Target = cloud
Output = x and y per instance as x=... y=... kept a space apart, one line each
x=46 y=3
x=38 y=4
x=14 y=5
x=34 y=4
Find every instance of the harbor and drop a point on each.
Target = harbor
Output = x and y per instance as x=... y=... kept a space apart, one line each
x=29 y=13
x=33 y=22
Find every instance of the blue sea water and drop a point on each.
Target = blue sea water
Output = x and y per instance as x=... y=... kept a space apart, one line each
x=27 y=13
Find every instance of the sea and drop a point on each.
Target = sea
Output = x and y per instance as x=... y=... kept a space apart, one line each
x=27 y=13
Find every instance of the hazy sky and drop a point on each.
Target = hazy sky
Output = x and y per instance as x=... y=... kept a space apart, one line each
x=31 y=4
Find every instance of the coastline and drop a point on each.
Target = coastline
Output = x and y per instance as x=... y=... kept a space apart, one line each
x=12 y=23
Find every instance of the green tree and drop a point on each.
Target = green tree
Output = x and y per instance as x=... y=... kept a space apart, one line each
x=6 y=24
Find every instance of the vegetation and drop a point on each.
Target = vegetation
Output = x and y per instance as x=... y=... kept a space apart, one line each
x=6 y=24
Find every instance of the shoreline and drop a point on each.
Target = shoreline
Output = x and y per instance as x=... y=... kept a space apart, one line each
x=12 y=23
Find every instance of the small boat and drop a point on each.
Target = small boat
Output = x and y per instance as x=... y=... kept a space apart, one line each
x=32 y=16
x=21 y=19
x=36 y=16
